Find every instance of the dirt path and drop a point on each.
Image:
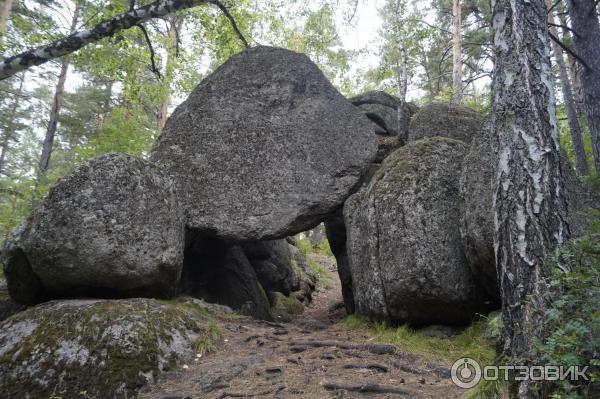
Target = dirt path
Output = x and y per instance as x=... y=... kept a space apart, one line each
x=272 y=360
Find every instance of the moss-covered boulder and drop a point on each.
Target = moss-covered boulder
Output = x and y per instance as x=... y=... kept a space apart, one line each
x=445 y=120
x=106 y=349
x=403 y=241
x=112 y=228
x=285 y=308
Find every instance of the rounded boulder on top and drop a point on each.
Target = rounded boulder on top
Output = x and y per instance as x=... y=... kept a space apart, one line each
x=264 y=147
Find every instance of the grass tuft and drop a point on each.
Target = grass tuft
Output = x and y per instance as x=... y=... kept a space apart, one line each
x=471 y=342
x=206 y=341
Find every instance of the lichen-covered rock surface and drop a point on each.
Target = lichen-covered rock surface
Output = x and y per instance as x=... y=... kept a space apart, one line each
x=445 y=120
x=403 y=240
x=111 y=228
x=96 y=348
x=477 y=216
x=264 y=147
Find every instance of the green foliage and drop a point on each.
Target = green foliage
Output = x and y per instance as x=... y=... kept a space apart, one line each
x=323 y=276
x=323 y=248
x=572 y=318
x=470 y=342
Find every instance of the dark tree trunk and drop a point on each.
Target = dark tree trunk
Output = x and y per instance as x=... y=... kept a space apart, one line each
x=574 y=127
x=528 y=201
x=11 y=124
x=584 y=20
x=56 y=104
x=574 y=68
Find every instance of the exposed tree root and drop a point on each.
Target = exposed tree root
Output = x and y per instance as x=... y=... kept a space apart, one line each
x=377 y=349
x=371 y=388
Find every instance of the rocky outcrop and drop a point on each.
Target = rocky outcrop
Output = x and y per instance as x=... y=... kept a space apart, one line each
x=445 y=120
x=264 y=147
x=403 y=241
x=111 y=228
x=107 y=349
x=218 y=271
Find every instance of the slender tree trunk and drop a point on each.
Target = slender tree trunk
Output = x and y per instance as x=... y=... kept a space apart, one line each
x=528 y=202
x=574 y=68
x=11 y=124
x=574 y=127
x=163 y=112
x=401 y=79
x=5 y=8
x=457 y=94
x=584 y=19
x=402 y=82
x=56 y=103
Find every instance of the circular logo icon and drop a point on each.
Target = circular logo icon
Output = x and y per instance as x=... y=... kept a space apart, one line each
x=466 y=373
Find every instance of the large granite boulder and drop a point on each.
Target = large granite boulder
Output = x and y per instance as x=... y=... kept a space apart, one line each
x=112 y=228
x=107 y=349
x=445 y=120
x=218 y=271
x=382 y=109
x=477 y=217
x=272 y=262
x=403 y=241
x=264 y=147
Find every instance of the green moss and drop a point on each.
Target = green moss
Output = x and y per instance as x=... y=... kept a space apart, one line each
x=118 y=342
x=186 y=303
x=469 y=343
x=285 y=308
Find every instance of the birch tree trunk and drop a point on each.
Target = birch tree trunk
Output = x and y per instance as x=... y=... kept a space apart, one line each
x=584 y=19
x=528 y=202
x=402 y=83
x=56 y=103
x=574 y=127
x=457 y=94
x=11 y=124
x=5 y=8
x=163 y=112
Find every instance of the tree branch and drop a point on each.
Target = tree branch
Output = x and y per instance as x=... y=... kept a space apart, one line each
x=107 y=28
x=568 y=50
x=153 y=67
x=557 y=2
x=231 y=20
x=564 y=27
